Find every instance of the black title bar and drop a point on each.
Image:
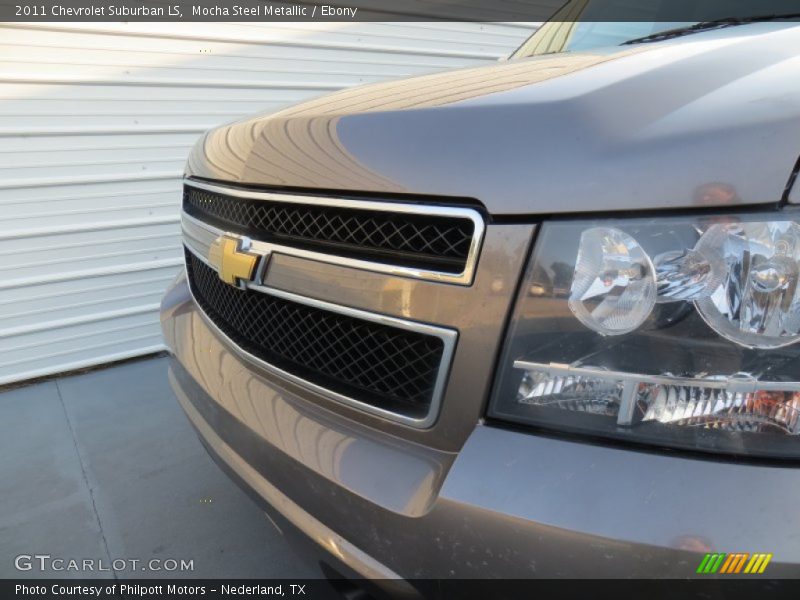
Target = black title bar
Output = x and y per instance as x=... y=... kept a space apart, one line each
x=732 y=588
x=666 y=11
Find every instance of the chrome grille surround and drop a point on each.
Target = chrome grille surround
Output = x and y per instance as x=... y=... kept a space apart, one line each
x=391 y=237
x=447 y=338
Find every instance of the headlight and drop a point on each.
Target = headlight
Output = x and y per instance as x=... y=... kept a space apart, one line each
x=678 y=332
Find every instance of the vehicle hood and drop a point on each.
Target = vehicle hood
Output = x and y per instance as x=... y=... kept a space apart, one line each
x=708 y=119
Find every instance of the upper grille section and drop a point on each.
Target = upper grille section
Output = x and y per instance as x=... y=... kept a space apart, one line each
x=389 y=368
x=415 y=237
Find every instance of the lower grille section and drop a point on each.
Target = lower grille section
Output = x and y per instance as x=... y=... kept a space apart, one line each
x=385 y=367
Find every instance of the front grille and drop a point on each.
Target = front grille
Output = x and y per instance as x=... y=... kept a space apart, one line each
x=386 y=367
x=423 y=241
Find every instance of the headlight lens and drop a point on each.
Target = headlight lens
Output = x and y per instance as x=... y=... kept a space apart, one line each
x=755 y=302
x=614 y=286
x=678 y=332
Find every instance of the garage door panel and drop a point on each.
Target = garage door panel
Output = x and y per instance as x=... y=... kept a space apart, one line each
x=41 y=256
x=96 y=122
x=100 y=154
x=121 y=209
x=32 y=307
x=111 y=336
x=91 y=167
x=59 y=145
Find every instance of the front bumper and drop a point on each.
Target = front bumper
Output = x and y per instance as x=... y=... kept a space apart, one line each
x=508 y=504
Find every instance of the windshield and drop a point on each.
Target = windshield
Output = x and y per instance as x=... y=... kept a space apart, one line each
x=577 y=37
x=582 y=25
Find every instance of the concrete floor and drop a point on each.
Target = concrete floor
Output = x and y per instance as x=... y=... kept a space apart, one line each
x=104 y=465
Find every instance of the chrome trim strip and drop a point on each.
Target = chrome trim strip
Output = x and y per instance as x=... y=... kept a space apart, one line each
x=463 y=278
x=448 y=337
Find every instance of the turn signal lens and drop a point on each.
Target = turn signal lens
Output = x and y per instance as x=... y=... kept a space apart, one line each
x=737 y=403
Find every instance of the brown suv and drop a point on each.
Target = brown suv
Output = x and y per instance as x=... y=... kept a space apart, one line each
x=539 y=318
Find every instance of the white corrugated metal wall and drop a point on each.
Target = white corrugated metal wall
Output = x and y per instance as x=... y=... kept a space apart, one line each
x=96 y=121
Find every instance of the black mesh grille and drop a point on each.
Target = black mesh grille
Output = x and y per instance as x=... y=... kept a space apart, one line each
x=429 y=242
x=384 y=366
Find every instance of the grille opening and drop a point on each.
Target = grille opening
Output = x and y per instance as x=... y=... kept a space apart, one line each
x=386 y=367
x=429 y=242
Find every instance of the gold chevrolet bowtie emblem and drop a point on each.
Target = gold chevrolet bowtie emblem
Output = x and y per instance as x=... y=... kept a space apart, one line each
x=230 y=256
